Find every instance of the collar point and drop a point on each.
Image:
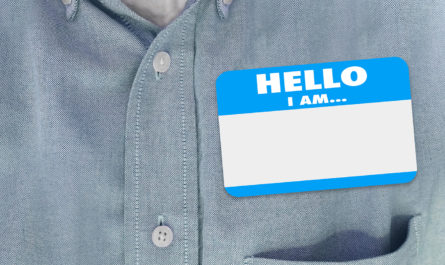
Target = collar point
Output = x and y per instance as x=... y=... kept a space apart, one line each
x=71 y=8
x=223 y=8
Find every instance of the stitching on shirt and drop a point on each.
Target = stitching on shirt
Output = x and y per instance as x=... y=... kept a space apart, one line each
x=128 y=25
x=220 y=9
x=184 y=139
x=416 y=232
x=73 y=10
x=136 y=167
x=121 y=18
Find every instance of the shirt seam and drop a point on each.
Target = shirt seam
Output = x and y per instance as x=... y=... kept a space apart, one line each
x=184 y=140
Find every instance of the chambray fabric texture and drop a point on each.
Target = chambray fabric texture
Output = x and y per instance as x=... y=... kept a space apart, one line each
x=95 y=146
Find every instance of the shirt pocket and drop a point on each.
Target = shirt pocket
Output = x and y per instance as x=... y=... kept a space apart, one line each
x=406 y=254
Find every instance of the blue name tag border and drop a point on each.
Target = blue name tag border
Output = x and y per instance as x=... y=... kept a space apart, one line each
x=321 y=184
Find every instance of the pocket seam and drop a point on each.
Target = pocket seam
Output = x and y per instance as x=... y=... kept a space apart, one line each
x=416 y=218
x=416 y=232
x=248 y=260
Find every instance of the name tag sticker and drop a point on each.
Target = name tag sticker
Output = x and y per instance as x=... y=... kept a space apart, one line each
x=316 y=127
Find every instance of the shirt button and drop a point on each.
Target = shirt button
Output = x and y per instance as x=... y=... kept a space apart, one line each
x=161 y=62
x=227 y=2
x=162 y=236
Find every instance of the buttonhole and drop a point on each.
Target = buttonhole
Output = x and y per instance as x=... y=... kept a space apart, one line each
x=160 y=221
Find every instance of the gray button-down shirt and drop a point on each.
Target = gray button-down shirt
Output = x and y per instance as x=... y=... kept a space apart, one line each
x=97 y=149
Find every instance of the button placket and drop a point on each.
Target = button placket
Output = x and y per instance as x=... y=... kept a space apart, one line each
x=162 y=173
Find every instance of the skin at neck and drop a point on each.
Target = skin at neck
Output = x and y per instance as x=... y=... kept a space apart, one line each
x=159 y=12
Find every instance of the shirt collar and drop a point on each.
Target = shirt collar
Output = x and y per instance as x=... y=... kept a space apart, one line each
x=72 y=7
x=222 y=7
